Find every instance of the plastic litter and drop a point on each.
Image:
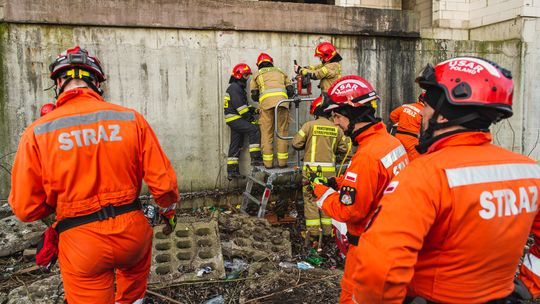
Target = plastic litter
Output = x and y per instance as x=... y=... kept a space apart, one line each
x=287 y=265
x=215 y=300
x=313 y=258
x=204 y=271
x=304 y=265
x=234 y=268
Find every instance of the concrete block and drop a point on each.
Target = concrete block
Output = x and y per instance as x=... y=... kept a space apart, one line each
x=529 y=11
x=29 y=254
x=16 y=236
x=46 y=291
x=505 y=30
x=477 y=4
x=193 y=246
x=502 y=15
x=445 y=33
x=253 y=239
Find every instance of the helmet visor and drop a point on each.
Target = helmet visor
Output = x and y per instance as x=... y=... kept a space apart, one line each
x=426 y=77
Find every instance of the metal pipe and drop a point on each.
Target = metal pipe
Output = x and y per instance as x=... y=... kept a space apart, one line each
x=296 y=102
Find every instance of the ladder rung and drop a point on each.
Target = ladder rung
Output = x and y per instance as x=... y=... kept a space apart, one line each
x=256 y=180
x=252 y=198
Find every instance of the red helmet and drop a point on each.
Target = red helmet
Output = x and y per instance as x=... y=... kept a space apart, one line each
x=315 y=104
x=47 y=108
x=325 y=50
x=471 y=81
x=72 y=61
x=263 y=57
x=240 y=70
x=350 y=90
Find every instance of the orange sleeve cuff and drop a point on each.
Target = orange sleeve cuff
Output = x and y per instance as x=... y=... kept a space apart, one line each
x=320 y=190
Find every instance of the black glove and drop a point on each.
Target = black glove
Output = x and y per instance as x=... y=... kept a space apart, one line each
x=298 y=69
x=332 y=183
x=520 y=293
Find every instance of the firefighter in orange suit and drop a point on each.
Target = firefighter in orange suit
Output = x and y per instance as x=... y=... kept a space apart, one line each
x=452 y=226
x=321 y=141
x=85 y=161
x=268 y=86
x=406 y=119
x=379 y=157
x=328 y=71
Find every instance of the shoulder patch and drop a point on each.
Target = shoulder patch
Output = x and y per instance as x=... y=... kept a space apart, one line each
x=347 y=195
x=351 y=176
x=391 y=187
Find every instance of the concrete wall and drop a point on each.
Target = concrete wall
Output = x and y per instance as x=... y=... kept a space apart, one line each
x=176 y=76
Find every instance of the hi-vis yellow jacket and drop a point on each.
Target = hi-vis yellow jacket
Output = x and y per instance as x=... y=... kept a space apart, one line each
x=272 y=85
x=321 y=141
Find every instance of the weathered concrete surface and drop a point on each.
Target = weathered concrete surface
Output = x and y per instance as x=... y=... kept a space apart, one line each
x=176 y=79
x=219 y=15
x=16 y=236
x=46 y=291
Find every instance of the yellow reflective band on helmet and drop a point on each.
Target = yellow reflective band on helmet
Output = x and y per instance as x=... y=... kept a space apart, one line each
x=316 y=222
x=229 y=118
x=283 y=155
x=324 y=70
x=264 y=96
x=323 y=169
x=254 y=149
x=268 y=156
x=326 y=221
x=301 y=133
x=82 y=73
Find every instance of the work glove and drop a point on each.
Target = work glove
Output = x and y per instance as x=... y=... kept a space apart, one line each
x=169 y=218
x=297 y=69
x=253 y=110
x=315 y=178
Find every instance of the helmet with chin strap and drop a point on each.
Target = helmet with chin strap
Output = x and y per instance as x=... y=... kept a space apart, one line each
x=77 y=63
x=355 y=98
x=466 y=91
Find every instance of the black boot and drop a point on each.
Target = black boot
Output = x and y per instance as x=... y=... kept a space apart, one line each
x=256 y=159
x=233 y=171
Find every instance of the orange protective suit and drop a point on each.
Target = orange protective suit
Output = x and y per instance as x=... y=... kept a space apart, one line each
x=85 y=155
x=408 y=119
x=451 y=227
x=378 y=158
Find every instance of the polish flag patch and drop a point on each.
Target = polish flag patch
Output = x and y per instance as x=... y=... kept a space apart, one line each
x=350 y=176
x=391 y=187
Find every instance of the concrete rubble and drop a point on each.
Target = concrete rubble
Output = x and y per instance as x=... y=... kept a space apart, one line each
x=45 y=291
x=193 y=252
x=16 y=236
